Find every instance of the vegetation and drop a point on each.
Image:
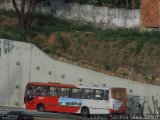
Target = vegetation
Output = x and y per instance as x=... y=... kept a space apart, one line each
x=126 y=53
x=61 y=42
x=24 y=11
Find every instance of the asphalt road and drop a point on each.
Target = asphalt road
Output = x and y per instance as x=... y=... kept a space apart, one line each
x=52 y=116
x=43 y=115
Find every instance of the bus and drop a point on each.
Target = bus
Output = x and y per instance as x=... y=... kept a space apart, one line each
x=68 y=98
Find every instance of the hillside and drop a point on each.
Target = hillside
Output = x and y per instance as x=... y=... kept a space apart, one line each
x=124 y=53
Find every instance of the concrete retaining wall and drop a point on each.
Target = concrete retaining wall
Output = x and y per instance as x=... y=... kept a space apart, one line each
x=102 y=16
x=22 y=62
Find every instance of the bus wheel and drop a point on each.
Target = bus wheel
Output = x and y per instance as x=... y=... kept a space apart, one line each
x=41 y=108
x=85 y=112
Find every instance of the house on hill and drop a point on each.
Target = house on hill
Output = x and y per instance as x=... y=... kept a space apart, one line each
x=150 y=13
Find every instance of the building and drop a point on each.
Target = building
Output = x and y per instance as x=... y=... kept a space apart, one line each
x=150 y=13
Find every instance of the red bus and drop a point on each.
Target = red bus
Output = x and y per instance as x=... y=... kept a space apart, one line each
x=69 y=98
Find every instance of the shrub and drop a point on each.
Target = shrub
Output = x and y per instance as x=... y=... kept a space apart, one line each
x=96 y=46
x=124 y=74
x=38 y=43
x=54 y=49
x=106 y=65
x=106 y=46
x=61 y=42
x=8 y=13
x=153 y=78
x=146 y=78
x=139 y=46
x=83 y=27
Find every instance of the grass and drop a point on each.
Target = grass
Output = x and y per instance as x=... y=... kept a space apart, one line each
x=11 y=32
x=61 y=42
x=127 y=35
x=11 y=29
x=9 y=13
x=107 y=65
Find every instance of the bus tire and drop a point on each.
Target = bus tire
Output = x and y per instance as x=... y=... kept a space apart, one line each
x=85 y=112
x=41 y=108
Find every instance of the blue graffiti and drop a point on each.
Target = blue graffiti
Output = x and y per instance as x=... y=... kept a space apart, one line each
x=6 y=46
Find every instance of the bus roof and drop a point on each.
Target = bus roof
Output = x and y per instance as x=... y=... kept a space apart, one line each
x=90 y=87
x=50 y=84
x=68 y=85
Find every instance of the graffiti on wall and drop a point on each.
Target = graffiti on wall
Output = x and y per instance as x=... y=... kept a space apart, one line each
x=142 y=105
x=6 y=47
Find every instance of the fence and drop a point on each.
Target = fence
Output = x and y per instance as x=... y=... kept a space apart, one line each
x=98 y=15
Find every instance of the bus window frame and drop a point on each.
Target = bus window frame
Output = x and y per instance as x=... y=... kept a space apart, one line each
x=86 y=96
x=100 y=98
x=56 y=91
x=106 y=91
x=77 y=94
x=63 y=95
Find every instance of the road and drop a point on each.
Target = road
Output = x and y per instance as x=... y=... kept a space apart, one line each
x=50 y=115
x=43 y=115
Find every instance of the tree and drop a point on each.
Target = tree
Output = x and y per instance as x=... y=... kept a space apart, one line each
x=133 y=4
x=24 y=10
x=127 y=4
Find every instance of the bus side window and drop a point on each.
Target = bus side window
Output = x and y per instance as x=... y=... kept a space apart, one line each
x=53 y=91
x=44 y=91
x=106 y=95
x=38 y=90
x=90 y=94
x=81 y=93
x=98 y=94
x=65 y=92
x=87 y=94
x=75 y=93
